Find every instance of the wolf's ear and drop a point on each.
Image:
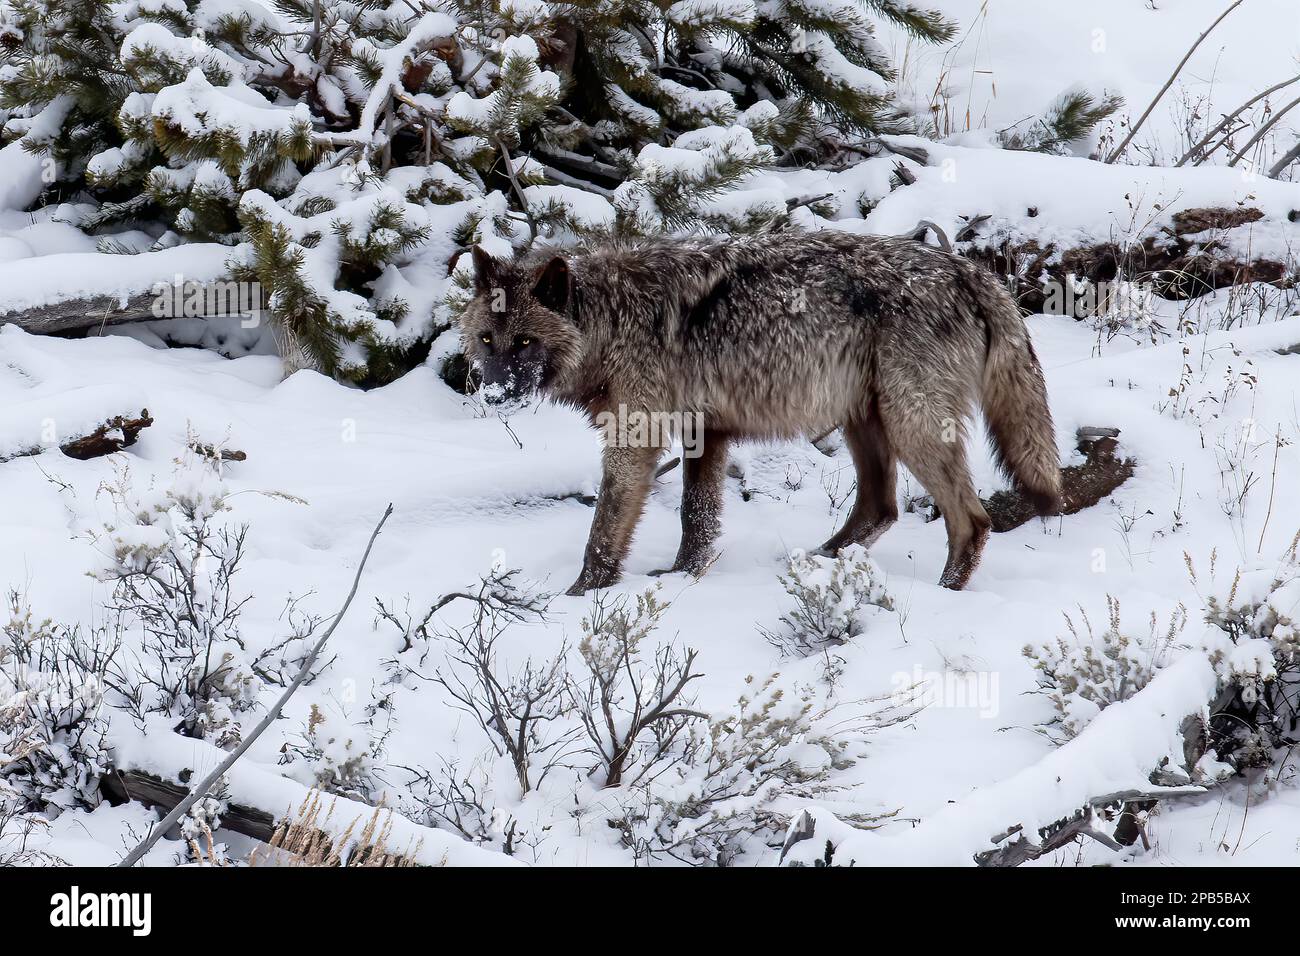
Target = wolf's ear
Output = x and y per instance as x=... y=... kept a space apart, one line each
x=552 y=288
x=485 y=270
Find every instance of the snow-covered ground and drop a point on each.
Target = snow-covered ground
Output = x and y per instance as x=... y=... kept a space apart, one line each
x=466 y=495
x=1204 y=393
x=1014 y=56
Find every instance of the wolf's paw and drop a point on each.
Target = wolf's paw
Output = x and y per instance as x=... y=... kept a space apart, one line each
x=694 y=566
x=590 y=580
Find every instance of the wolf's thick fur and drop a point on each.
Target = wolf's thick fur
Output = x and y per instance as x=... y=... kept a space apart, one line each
x=774 y=337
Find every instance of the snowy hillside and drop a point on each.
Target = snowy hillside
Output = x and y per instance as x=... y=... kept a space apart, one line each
x=164 y=596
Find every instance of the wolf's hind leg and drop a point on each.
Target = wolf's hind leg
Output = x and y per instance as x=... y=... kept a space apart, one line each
x=703 y=478
x=941 y=467
x=876 y=506
x=624 y=484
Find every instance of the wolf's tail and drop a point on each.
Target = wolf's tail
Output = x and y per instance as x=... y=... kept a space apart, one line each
x=1014 y=399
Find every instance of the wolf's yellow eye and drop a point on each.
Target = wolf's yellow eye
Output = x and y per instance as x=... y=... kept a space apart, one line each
x=524 y=341
x=487 y=340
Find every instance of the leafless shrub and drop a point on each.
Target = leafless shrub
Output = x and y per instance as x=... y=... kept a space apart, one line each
x=633 y=714
x=739 y=776
x=451 y=800
x=172 y=562
x=52 y=750
x=522 y=712
x=499 y=595
x=17 y=830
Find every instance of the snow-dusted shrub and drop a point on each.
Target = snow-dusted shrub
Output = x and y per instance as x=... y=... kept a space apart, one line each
x=632 y=709
x=171 y=559
x=1253 y=640
x=341 y=754
x=1087 y=671
x=833 y=600
x=52 y=724
x=736 y=779
x=197 y=827
x=521 y=710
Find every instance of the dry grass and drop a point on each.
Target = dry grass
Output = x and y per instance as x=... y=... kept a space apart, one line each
x=305 y=841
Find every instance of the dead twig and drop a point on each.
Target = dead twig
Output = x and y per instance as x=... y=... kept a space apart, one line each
x=1263 y=130
x=1227 y=120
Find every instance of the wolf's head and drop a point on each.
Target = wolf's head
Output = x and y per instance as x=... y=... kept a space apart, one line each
x=517 y=330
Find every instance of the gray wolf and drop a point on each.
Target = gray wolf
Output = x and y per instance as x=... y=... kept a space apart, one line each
x=773 y=337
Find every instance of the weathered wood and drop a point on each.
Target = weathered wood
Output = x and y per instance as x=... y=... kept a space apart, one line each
x=1079 y=824
x=1093 y=432
x=1181 y=261
x=922 y=229
x=115 y=434
x=211 y=451
x=122 y=786
x=79 y=315
x=1022 y=849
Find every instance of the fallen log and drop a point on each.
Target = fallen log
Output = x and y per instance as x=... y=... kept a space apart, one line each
x=1118 y=759
x=1187 y=259
x=124 y=786
x=118 y=432
x=115 y=434
x=1079 y=824
x=79 y=315
x=78 y=291
x=260 y=802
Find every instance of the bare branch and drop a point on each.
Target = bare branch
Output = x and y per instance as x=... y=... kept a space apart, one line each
x=1133 y=130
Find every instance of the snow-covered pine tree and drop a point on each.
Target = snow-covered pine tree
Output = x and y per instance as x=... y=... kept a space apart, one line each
x=349 y=150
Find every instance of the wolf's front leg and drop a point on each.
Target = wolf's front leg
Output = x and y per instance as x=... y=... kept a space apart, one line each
x=703 y=477
x=623 y=489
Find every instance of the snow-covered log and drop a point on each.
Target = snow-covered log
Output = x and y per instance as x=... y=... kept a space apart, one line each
x=155 y=768
x=116 y=433
x=87 y=423
x=1204 y=249
x=1041 y=807
x=74 y=291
